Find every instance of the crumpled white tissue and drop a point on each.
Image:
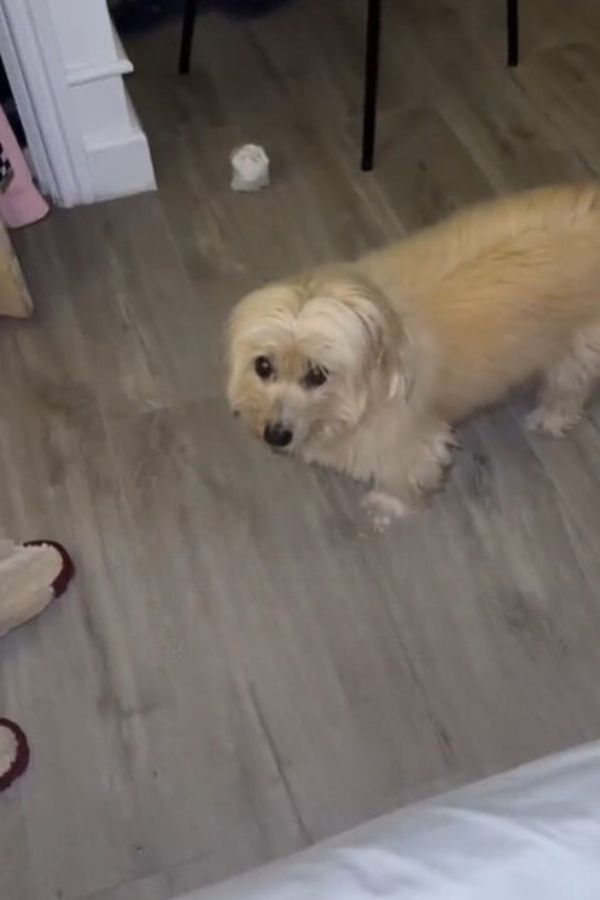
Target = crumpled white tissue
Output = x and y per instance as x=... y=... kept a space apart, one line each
x=250 y=168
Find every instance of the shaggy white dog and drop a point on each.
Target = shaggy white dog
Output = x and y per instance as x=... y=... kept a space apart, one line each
x=366 y=366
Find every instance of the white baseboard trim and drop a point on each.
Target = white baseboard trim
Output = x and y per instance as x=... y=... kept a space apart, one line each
x=121 y=167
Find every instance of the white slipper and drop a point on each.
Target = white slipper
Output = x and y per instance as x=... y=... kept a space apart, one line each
x=31 y=575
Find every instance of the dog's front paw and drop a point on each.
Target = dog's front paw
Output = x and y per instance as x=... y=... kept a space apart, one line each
x=383 y=509
x=430 y=469
x=550 y=422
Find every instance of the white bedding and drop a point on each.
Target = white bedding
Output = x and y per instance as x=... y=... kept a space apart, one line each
x=531 y=834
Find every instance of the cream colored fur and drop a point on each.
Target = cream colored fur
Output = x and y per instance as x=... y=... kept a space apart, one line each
x=420 y=334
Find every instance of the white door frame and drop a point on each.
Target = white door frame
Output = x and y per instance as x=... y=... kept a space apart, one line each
x=73 y=166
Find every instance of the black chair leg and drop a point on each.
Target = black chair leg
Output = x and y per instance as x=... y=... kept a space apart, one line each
x=187 y=35
x=371 y=83
x=512 y=31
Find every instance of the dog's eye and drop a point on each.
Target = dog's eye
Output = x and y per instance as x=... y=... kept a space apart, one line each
x=263 y=367
x=315 y=377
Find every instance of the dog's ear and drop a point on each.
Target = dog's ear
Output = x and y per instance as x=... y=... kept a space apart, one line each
x=389 y=355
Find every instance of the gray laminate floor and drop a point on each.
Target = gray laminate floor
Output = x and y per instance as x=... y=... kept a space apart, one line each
x=238 y=670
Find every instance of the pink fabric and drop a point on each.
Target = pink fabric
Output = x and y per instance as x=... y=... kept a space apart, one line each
x=21 y=203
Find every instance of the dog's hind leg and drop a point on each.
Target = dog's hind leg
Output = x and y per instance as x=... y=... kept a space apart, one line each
x=567 y=386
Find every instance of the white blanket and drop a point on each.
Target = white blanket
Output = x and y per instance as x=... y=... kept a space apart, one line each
x=531 y=834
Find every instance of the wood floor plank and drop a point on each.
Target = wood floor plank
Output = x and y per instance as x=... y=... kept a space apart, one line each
x=511 y=140
x=563 y=81
x=240 y=667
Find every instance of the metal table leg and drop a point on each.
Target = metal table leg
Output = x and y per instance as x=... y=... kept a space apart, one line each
x=187 y=35
x=512 y=31
x=371 y=83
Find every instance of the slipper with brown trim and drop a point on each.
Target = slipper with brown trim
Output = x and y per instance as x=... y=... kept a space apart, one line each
x=14 y=753
x=31 y=576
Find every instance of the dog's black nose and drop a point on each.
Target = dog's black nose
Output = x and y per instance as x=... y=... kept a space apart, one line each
x=277 y=435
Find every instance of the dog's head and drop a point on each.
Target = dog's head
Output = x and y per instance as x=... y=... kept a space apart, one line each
x=306 y=358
